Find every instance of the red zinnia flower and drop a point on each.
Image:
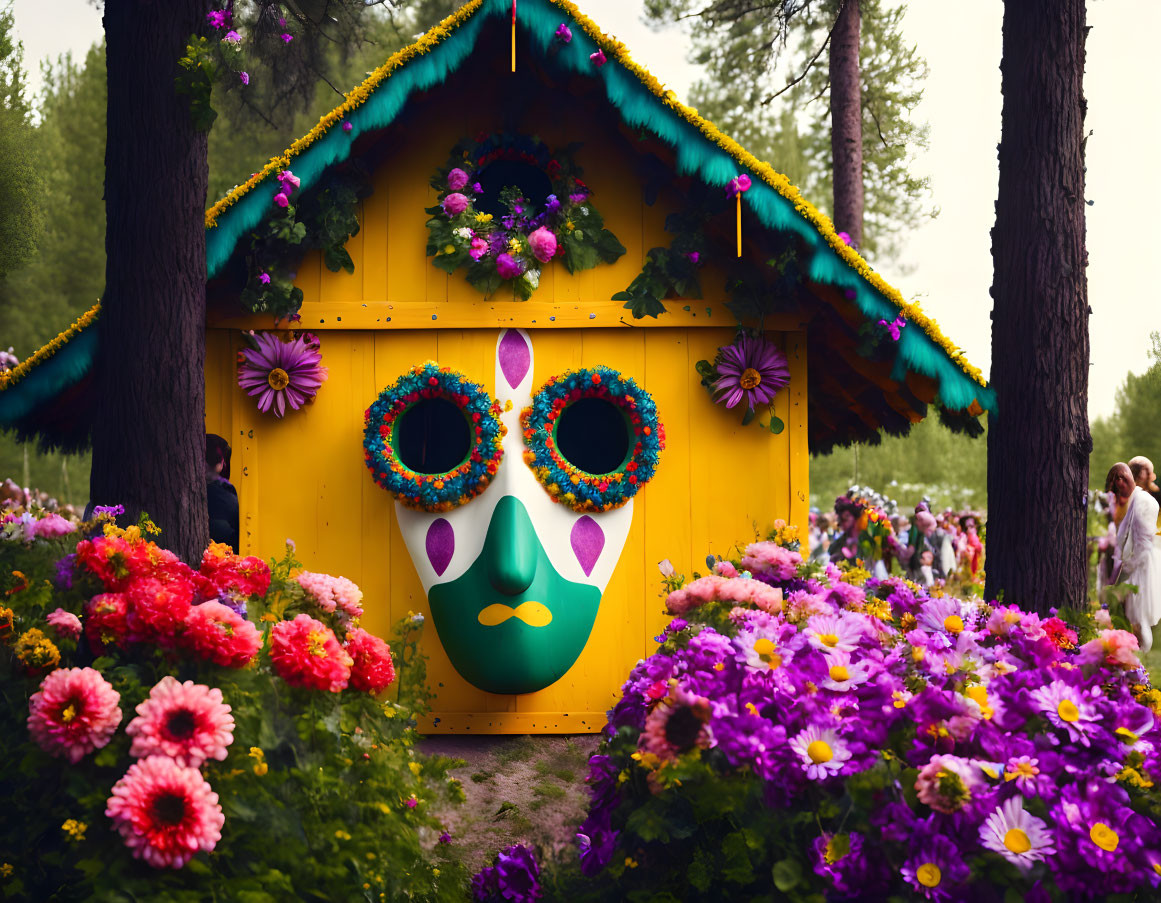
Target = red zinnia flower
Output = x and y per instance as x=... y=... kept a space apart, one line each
x=157 y=610
x=373 y=670
x=216 y=633
x=305 y=653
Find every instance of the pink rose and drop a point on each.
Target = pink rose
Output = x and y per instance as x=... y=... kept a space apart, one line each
x=508 y=266
x=65 y=623
x=478 y=249
x=457 y=179
x=543 y=244
x=281 y=199
x=455 y=204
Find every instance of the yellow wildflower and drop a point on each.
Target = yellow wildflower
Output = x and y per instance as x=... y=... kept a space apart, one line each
x=74 y=829
x=35 y=650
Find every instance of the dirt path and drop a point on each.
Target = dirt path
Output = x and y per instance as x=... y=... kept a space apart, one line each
x=522 y=789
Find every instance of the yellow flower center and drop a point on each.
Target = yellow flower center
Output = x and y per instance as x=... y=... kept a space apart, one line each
x=751 y=378
x=1017 y=841
x=837 y=848
x=68 y=713
x=1068 y=711
x=1022 y=770
x=819 y=751
x=316 y=642
x=839 y=672
x=278 y=379
x=828 y=639
x=953 y=624
x=1104 y=837
x=928 y=874
x=767 y=652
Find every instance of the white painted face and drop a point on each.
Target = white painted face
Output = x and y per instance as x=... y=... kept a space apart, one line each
x=583 y=548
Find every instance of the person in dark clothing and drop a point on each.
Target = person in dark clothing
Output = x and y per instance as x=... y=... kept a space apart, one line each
x=221 y=496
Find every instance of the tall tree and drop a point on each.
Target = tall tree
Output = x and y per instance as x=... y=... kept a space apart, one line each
x=767 y=83
x=846 y=116
x=1039 y=440
x=19 y=177
x=148 y=427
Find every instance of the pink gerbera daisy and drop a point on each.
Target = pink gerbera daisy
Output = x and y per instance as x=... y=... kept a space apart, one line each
x=216 y=633
x=305 y=653
x=74 y=712
x=186 y=721
x=372 y=670
x=165 y=812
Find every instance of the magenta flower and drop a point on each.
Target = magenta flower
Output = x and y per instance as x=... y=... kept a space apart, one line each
x=543 y=244
x=750 y=370
x=232 y=37
x=347 y=126
x=244 y=77
x=264 y=278
x=455 y=204
x=738 y=185
x=694 y=257
x=218 y=18
x=281 y=200
x=287 y=38
x=478 y=249
x=846 y=237
x=508 y=266
x=279 y=372
x=457 y=179
x=289 y=181
x=894 y=327
x=598 y=58
x=563 y=33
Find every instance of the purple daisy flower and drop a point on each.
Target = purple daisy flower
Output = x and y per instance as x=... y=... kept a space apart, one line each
x=935 y=870
x=279 y=372
x=750 y=370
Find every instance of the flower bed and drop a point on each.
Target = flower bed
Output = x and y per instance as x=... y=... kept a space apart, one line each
x=172 y=734
x=798 y=732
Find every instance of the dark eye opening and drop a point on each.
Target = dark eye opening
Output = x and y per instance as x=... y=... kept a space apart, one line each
x=592 y=434
x=532 y=181
x=432 y=436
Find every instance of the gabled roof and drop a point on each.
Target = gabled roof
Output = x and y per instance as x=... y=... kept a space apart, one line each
x=700 y=151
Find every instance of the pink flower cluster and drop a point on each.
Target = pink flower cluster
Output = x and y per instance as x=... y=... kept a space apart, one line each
x=737 y=590
x=306 y=653
x=288 y=182
x=331 y=593
x=74 y=712
x=771 y=560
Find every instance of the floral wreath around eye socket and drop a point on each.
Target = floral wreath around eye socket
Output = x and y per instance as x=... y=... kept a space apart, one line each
x=433 y=492
x=568 y=484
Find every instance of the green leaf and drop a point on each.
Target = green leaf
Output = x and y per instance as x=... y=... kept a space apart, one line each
x=775 y=425
x=700 y=874
x=644 y=306
x=738 y=869
x=787 y=874
x=336 y=258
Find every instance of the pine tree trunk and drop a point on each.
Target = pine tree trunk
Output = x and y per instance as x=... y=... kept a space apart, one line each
x=149 y=426
x=846 y=118
x=1039 y=440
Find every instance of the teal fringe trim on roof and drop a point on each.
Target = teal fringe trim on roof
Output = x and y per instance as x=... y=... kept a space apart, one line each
x=49 y=377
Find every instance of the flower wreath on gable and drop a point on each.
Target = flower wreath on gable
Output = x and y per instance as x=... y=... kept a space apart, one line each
x=505 y=233
x=442 y=491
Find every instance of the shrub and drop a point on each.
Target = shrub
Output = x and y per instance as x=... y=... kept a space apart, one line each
x=170 y=759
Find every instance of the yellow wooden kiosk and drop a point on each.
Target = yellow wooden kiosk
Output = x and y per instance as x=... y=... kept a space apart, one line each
x=764 y=259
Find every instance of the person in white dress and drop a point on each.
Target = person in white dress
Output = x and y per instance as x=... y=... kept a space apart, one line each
x=1139 y=555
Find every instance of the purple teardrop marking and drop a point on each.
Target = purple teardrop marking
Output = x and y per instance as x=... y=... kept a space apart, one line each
x=515 y=357
x=588 y=539
x=441 y=545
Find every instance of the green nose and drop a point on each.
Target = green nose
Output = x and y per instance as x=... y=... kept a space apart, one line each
x=510 y=548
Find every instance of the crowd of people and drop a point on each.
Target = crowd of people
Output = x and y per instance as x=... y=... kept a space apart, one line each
x=867 y=530
x=1129 y=553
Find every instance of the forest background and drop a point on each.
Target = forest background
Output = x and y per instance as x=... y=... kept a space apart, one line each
x=52 y=214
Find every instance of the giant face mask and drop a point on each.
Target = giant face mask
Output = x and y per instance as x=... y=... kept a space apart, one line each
x=513 y=577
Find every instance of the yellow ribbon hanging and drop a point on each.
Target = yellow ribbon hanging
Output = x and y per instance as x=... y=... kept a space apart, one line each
x=513 y=35
x=739 y=197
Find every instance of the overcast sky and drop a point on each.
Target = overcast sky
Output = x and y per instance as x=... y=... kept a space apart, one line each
x=947 y=261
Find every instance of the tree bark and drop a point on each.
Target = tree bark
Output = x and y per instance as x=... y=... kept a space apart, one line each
x=149 y=425
x=1039 y=440
x=846 y=117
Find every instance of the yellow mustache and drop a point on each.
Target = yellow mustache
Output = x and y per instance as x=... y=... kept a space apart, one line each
x=534 y=614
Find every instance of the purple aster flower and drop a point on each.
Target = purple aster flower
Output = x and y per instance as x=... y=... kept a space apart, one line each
x=484 y=885
x=264 y=279
x=551 y=204
x=477 y=188
x=445 y=837
x=244 y=77
x=934 y=871
x=219 y=18
x=280 y=372
x=750 y=370
x=111 y=510
x=563 y=33
x=518 y=874
x=1100 y=840
x=596 y=851
x=232 y=37
x=841 y=861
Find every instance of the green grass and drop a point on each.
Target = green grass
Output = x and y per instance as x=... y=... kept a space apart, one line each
x=482 y=777
x=521 y=750
x=545 y=769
